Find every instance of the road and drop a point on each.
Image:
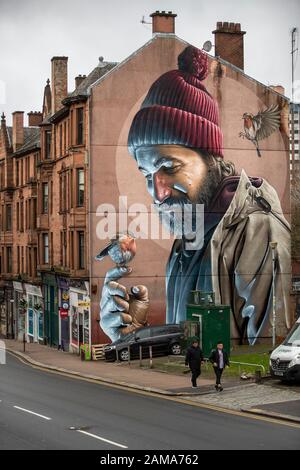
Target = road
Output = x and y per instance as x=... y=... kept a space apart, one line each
x=41 y=410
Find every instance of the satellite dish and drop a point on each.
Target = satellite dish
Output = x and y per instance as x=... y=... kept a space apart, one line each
x=207 y=46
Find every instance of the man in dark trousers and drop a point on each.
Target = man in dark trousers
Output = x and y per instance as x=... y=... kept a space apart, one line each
x=194 y=358
x=219 y=359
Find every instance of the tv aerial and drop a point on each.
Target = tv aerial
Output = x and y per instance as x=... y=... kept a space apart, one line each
x=143 y=21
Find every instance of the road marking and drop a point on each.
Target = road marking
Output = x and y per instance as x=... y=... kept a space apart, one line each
x=31 y=412
x=162 y=397
x=102 y=439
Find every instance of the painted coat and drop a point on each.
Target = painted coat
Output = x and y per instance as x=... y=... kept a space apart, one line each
x=236 y=263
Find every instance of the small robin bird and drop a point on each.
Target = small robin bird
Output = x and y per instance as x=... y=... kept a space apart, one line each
x=121 y=249
x=260 y=126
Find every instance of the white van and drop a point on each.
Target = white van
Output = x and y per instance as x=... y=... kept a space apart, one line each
x=285 y=360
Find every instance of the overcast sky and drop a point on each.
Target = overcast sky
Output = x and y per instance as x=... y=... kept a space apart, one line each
x=33 y=31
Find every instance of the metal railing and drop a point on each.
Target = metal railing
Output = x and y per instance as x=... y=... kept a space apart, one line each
x=249 y=364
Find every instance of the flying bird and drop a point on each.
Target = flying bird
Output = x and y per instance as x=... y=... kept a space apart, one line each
x=121 y=249
x=261 y=126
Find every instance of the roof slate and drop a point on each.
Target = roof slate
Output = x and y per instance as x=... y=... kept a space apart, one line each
x=98 y=72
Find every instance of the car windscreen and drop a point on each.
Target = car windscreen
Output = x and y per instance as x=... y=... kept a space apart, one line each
x=293 y=338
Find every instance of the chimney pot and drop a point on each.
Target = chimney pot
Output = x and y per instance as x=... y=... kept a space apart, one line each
x=229 y=43
x=79 y=79
x=163 y=22
x=18 y=129
x=34 y=118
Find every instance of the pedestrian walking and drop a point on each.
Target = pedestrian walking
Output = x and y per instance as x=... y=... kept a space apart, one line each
x=194 y=358
x=219 y=359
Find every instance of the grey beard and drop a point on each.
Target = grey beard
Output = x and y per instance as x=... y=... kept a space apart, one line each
x=182 y=207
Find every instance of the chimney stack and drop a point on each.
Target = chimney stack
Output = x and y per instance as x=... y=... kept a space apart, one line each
x=229 y=43
x=79 y=79
x=59 y=82
x=34 y=118
x=18 y=129
x=163 y=22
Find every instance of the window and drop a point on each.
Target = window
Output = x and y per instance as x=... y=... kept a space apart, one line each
x=47 y=145
x=8 y=218
x=45 y=191
x=51 y=249
x=60 y=141
x=21 y=216
x=79 y=135
x=34 y=262
x=22 y=260
x=71 y=188
x=81 y=250
x=34 y=213
x=22 y=173
x=18 y=259
x=17 y=173
x=45 y=248
x=2 y=176
x=71 y=246
x=18 y=216
x=80 y=188
x=9 y=259
x=65 y=137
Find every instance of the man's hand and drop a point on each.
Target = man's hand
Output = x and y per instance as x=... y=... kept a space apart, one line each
x=121 y=312
x=215 y=364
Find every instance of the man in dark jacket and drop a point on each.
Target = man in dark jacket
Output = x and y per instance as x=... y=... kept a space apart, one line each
x=194 y=358
x=219 y=359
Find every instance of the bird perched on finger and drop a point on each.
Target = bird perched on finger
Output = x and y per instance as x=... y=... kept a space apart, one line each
x=261 y=126
x=121 y=249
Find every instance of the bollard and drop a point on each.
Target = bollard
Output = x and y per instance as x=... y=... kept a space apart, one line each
x=150 y=355
x=141 y=355
x=24 y=342
x=128 y=355
x=257 y=376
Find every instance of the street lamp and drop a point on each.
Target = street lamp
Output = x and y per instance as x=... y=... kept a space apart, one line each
x=273 y=246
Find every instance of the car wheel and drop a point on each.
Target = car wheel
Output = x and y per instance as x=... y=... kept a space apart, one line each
x=124 y=355
x=175 y=349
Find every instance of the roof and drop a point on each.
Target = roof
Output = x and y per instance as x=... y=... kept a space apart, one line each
x=32 y=140
x=81 y=92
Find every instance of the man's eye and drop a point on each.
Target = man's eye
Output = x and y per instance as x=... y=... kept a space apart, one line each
x=171 y=170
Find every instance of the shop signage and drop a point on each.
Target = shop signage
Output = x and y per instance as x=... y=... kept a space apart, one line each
x=63 y=312
x=83 y=303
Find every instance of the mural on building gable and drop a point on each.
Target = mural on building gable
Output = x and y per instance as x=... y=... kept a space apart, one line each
x=260 y=126
x=177 y=143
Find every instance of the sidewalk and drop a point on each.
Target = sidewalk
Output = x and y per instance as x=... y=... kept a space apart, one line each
x=273 y=400
x=116 y=373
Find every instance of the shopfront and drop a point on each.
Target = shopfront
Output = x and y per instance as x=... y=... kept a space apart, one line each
x=80 y=315
x=51 y=323
x=64 y=309
x=19 y=310
x=35 y=315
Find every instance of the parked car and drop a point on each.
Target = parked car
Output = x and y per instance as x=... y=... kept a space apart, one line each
x=285 y=360
x=164 y=339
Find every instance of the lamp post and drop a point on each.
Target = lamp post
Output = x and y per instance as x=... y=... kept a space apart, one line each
x=273 y=247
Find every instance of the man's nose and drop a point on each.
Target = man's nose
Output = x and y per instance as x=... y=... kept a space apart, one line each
x=162 y=189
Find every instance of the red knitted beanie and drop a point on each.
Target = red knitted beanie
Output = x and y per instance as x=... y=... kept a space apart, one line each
x=179 y=110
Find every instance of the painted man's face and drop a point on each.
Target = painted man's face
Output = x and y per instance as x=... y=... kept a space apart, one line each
x=175 y=176
x=172 y=171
